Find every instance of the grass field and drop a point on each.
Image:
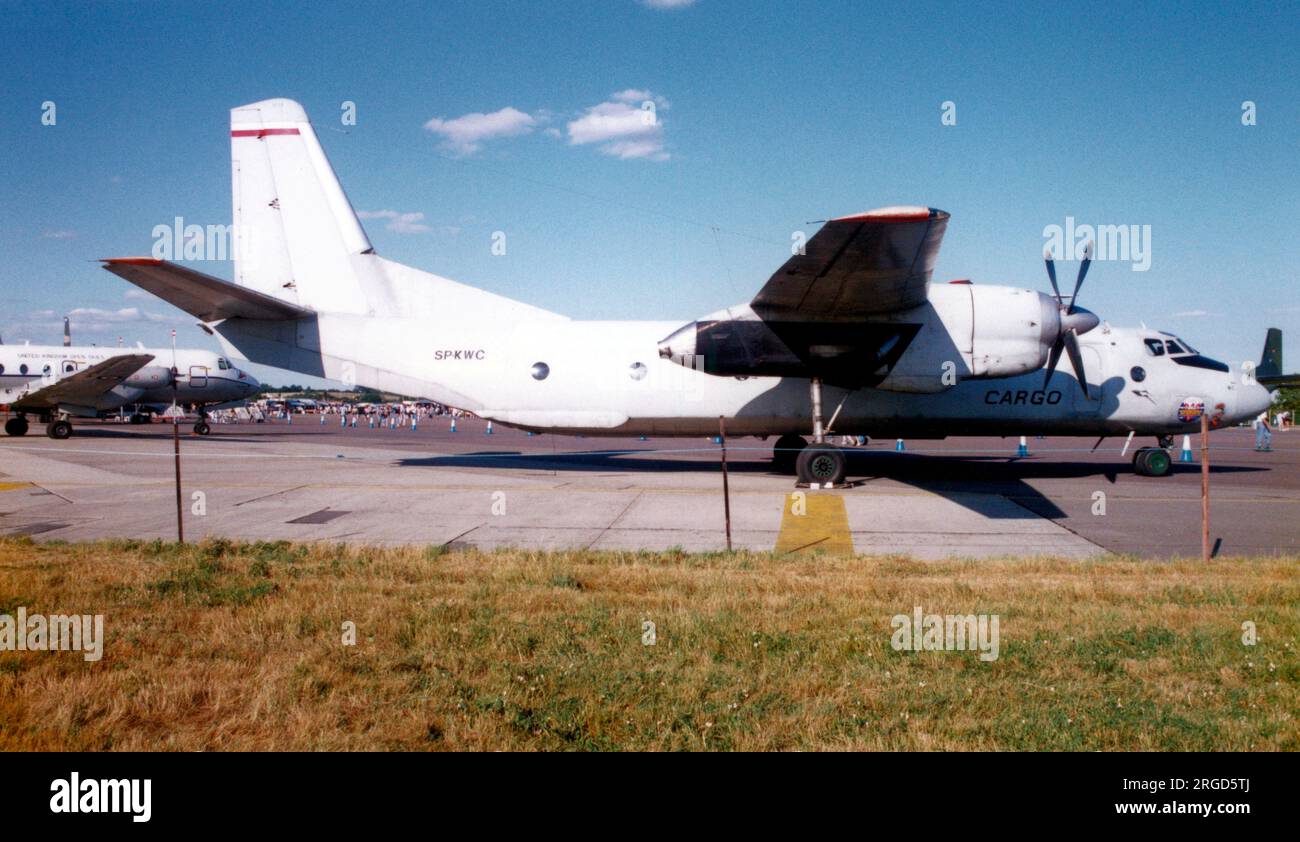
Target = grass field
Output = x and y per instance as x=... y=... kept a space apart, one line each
x=240 y=646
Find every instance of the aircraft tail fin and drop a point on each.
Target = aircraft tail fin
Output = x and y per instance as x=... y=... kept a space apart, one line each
x=1269 y=371
x=295 y=231
x=1270 y=362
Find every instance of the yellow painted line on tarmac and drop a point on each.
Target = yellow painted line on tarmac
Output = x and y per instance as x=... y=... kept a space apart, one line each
x=14 y=486
x=814 y=521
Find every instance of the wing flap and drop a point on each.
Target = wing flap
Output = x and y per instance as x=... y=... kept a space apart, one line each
x=202 y=296
x=85 y=387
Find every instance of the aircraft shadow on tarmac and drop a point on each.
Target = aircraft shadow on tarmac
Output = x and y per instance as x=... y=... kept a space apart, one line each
x=968 y=480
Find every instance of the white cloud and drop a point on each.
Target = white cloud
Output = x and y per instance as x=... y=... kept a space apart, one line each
x=667 y=4
x=401 y=223
x=465 y=135
x=59 y=235
x=135 y=294
x=1191 y=314
x=85 y=317
x=627 y=126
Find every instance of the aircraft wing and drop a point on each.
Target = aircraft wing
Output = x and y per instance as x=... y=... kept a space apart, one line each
x=202 y=296
x=857 y=266
x=85 y=387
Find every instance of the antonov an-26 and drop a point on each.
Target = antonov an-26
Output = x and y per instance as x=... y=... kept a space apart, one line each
x=850 y=336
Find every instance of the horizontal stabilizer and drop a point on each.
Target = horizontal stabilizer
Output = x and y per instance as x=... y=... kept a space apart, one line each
x=206 y=298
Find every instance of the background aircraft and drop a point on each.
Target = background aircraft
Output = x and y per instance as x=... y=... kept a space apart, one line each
x=55 y=382
x=852 y=325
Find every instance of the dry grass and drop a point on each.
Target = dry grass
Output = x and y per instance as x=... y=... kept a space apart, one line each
x=228 y=646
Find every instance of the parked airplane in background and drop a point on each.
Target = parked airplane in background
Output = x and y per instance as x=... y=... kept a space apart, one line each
x=853 y=324
x=55 y=382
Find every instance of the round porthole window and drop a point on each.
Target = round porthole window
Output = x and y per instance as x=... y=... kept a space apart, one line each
x=541 y=371
x=22 y=369
x=637 y=371
x=1138 y=373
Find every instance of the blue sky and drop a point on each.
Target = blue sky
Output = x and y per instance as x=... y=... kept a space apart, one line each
x=769 y=115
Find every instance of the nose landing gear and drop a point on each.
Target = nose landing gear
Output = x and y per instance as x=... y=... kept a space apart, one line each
x=1152 y=462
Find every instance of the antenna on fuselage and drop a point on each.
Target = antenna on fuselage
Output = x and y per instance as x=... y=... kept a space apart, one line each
x=67 y=332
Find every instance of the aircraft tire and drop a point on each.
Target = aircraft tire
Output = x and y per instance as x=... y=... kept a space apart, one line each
x=785 y=453
x=1152 y=462
x=58 y=429
x=202 y=428
x=821 y=463
x=16 y=426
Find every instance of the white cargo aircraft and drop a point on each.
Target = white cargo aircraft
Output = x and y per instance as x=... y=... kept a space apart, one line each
x=56 y=382
x=853 y=325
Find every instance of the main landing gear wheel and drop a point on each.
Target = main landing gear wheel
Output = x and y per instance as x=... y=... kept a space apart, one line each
x=16 y=426
x=59 y=429
x=1152 y=462
x=137 y=418
x=786 y=452
x=202 y=428
x=819 y=464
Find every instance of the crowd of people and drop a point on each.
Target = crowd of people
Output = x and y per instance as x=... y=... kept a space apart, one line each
x=342 y=413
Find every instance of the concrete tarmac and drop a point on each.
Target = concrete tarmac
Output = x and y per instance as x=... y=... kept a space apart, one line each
x=961 y=497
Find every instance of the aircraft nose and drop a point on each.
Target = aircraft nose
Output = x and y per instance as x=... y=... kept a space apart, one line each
x=1081 y=321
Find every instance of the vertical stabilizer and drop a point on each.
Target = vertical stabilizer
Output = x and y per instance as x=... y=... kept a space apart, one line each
x=294 y=229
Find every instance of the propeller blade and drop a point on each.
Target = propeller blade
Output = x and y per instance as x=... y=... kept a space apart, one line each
x=1051 y=274
x=1083 y=271
x=1053 y=358
x=1076 y=359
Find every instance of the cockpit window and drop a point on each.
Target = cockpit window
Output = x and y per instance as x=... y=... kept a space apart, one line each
x=1156 y=347
x=222 y=364
x=1174 y=347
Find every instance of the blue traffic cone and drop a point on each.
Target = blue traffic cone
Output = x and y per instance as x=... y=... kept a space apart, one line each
x=643 y=438
x=1023 y=448
x=1187 y=450
x=488 y=431
x=898 y=446
x=453 y=424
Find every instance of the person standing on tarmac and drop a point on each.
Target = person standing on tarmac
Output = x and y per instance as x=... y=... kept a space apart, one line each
x=1263 y=433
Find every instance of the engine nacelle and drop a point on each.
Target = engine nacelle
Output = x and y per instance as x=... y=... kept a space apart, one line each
x=1012 y=330
x=149 y=377
x=961 y=332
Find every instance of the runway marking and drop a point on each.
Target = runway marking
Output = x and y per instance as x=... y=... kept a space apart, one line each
x=822 y=525
x=14 y=486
